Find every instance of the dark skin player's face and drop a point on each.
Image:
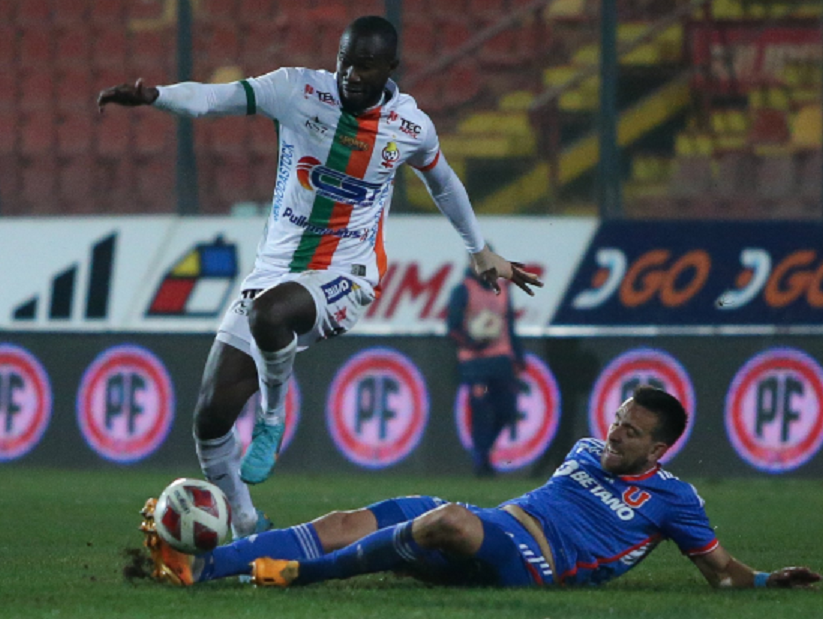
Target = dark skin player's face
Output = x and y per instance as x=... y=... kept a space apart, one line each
x=363 y=67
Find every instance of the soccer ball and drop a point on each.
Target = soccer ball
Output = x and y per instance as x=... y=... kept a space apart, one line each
x=192 y=516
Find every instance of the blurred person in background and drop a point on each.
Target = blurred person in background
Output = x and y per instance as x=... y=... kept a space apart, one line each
x=490 y=358
x=342 y=137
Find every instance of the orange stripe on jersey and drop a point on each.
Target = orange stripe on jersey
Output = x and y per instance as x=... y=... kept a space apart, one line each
x=382 y=260
x=357 y=167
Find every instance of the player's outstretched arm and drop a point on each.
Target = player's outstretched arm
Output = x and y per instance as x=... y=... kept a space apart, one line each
x=130 y=95
x=491 y=266
x=721 y=569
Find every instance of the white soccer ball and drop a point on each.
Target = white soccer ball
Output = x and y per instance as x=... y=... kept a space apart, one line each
x=192 y=516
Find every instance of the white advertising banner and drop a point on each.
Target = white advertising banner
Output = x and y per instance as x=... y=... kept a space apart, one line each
x=174 y=274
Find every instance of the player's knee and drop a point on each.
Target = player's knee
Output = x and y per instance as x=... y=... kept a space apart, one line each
x=264 y=316
x=444 y=527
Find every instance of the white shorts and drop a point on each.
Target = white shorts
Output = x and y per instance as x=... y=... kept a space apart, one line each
x=339 y=302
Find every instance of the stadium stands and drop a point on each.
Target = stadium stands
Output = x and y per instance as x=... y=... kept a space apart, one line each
x=56 y=54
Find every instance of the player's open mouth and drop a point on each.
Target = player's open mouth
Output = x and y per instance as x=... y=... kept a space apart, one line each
x=611 y=450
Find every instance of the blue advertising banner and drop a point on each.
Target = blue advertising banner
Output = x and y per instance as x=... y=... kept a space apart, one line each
x=746 y=277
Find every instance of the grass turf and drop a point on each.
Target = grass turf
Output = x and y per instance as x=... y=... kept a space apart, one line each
x=63 y=534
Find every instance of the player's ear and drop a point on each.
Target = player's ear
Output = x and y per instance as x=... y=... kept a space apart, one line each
x=659 y=450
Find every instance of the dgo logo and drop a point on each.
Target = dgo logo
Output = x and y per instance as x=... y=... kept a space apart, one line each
x=125 y=404
x=538 y=415
x=377 y=408
x=774 y=410
x=25 y=402
x=245 y=423
x=642 y=366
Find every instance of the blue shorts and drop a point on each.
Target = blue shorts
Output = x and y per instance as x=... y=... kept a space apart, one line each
x=519 y=563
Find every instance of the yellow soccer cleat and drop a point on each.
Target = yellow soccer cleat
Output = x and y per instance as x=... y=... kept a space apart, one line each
x=266 y=572
x=170 y=565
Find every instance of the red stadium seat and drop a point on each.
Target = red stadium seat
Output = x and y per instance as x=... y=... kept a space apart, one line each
x=145 y=10
x=39 y=185
x=229 y=136
x=108 y=13
x=8 y=10
x=74 y=135
x=218 y=10
x=33 y=12
x=37 y=134
x=255 y=11
x=75 y=91
x=453 y=10
x=151 y=49
x=10 y=200
x=263 y=137
x=36 y=44
x=70 y=13
x=233 y=180
x=37 y=91
x=463 y=83
x=453 y=34
x=217 y=45
x=74 y=48
x=264 y=175
x=113 y=133
x=9 y=90
x=76 y=184
x=418 y=40
x=487 y=8
x=110 y=50
x=8 y=47
x=9 y=130
x=155 y=186
x=154 y=133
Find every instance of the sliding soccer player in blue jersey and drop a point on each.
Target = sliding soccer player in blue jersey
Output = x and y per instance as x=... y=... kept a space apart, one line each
x=602 y=512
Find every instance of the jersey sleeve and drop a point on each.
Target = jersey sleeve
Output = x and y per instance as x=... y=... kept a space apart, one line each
x=427 y=154
x=687 y=524
x=271 y=94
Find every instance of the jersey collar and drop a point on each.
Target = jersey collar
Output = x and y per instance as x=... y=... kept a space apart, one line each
x=642 y=476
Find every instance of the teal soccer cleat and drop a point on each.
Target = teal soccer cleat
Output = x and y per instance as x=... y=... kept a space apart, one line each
x=261 y=455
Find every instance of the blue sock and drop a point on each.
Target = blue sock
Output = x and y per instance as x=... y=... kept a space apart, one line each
x=300 y=542
x=385 y=549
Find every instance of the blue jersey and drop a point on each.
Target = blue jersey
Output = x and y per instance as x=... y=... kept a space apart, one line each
x=600 y=525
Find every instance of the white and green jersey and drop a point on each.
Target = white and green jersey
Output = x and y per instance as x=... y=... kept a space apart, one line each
x=335 y=174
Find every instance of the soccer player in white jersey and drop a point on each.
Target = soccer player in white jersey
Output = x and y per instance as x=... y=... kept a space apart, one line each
x=342 y=137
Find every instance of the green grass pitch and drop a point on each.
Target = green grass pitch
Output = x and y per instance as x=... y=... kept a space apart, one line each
x=63 y=533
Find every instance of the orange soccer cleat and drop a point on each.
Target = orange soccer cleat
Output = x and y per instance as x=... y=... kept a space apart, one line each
x=170 y=565
x=266 y=572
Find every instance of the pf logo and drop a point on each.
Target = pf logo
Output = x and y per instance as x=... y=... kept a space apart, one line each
x=538 y=415
x=377 y=408
x=125 y=404
x=642 y=366
x=774 y=410
x=245 y=423
x=25 y=402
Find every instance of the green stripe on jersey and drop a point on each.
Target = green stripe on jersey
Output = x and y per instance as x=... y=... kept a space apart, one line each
x=251 y=100
x=322 y=208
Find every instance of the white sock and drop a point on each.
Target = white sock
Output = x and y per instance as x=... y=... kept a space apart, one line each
x=273 y=371
x=220 y=463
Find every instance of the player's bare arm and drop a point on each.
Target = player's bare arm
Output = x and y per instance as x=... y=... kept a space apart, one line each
x=722 y=570
x=129 y=95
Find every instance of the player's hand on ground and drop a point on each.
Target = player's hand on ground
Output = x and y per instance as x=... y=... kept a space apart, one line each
x=130 y=95
x=490 y=266
x=793 y=578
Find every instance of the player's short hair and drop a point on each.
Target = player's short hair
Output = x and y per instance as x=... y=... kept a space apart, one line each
x=374 y=25
x=671 y=416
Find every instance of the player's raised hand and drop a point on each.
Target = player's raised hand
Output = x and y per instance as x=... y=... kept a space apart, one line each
x=793 y=578
x=128 y=95
x=489 y=267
